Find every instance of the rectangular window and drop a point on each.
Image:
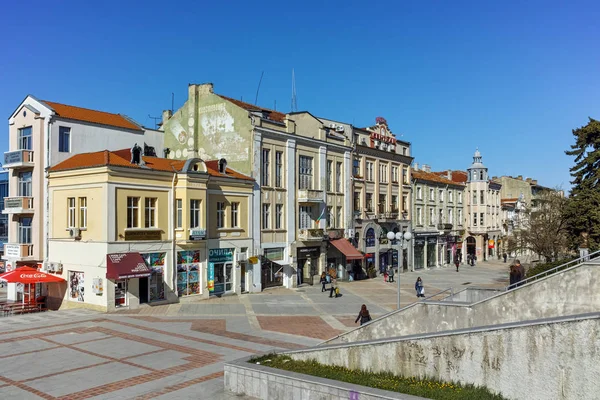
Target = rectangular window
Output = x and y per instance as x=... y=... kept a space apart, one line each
x=266 y=154
x=441 y=194
x=369 y=202
x=133 y=208
x=419 y=193
x=382 y=173
x=404 y=203
x=235 y=208
x=150 y=212
x=305 y=172
x=474 y=196
x=25 y=139
x=266 y=216
x=441 y=216
x=394 y=174
x=450 y=216
x=279 y=216
x=369 y=176
x=356 y=167
x=64 y=139
x=25 y=230
x=419 y=216
x=278 y=169
x=382 y=203
x=83 y=212
x=338 y=177
x=431 y=215
x=481 y=220
x=356 y=201
x=404 y=151
x=194 y=214
x=482 y=197
x=394 y=205
x=329 y=175
x=220 y=214
x=460 y=217
x=405 y=176
x=305 y=217
x=450 y=196
x=179 y=218
x=474 y=219
x=338 y=218
x=24 y=184
x=71 y=212
x=329 y=217
x=460 y=197
x=431 y=195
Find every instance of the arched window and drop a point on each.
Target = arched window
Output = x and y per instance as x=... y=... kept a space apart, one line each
x=481 y=175
x=370 y=237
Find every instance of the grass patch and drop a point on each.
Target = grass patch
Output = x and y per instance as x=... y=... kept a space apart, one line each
x=430 y=389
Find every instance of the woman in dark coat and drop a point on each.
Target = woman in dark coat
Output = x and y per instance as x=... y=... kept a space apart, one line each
x=363 y=315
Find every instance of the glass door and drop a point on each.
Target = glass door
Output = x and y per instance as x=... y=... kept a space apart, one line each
x=121 y=293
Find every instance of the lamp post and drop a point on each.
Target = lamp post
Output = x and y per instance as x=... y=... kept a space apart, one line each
x=400 y=239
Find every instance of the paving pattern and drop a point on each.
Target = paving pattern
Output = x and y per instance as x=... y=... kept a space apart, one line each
x=177 y=351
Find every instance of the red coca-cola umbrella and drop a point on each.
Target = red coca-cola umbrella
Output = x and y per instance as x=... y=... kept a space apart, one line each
x=29 y=275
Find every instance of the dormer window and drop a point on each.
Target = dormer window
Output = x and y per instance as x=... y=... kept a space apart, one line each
x=222 y=166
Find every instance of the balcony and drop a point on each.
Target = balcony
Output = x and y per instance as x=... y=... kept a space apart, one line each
x=18 y=251
x=357 y=214
x=18 y=205
x=307 y=235
x=388 y=216
x=310 y=196
x=335 y=233
x=18 y=159
x=445 y=227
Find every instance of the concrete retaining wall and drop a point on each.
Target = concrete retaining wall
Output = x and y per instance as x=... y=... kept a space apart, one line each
x=265 y=383
x=571 y=292
x=471 y=295
x=556 y=359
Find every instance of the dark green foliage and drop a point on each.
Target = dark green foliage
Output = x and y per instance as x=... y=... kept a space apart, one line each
x=430 y=389
x=538 y=269
x=583 y=210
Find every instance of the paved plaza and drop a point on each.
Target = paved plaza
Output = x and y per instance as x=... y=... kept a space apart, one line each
x=177 y=351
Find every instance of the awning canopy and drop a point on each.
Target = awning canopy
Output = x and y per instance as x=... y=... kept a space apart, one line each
x=29 y=275
x=126 y=265
x=347 y=249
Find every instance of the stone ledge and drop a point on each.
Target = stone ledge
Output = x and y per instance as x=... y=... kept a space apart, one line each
x=268 y=383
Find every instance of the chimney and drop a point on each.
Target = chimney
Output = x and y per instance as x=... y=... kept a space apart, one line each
x=449 y=174
x=520 y=177
x=528 y=180
x=534 y=181
x=200 y=89
x=222 y=166
x=426 y=168
x=166 y=115
x=416 y=167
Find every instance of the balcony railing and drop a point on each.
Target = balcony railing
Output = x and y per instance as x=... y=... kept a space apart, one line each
x=445 y=227
x=18 y=250
x=388 y=216
x=18 y=159
x=18 y=205
x=310 y=196
x=311 y=234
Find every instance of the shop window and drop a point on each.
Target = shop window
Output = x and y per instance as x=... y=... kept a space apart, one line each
x=121 y=293
x=76 y=286
x=188 y=272
x=220 y=271
x=156 y=284
x=370 y=237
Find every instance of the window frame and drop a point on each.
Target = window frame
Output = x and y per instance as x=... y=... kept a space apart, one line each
x=25 y=139
x=329 y=175
x=178 y=213
x=133 y=212
x=195 y=213
x=266 y=159
x=235 y=209
x=279 y=169
x=305 y=219
x=305 y=172
x=83 y=212
x=71 y=213
x=338 y=177
x=150 y=212
x=278 y=216
x=266 y=216
x=220 y=214
x=62 y=144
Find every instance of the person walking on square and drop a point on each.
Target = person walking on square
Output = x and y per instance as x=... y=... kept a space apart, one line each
x=333 y=289
x=514 y=276
x=505 y=256
x=457 y=262
x=391 y=275
x=520 y=272
x=419 y=287
x=323 y=281
x=363 y=315
x=385 y=275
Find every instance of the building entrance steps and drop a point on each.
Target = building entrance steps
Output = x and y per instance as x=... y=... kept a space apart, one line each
x=568 y=292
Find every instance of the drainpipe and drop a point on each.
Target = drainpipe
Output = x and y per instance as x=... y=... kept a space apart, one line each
x=173 y=232
x=47 y=164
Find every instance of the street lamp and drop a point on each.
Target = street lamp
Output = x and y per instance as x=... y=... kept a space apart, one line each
x=400 y=240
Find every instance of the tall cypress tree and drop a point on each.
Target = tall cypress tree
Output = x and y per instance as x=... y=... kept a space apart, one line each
x=583 y=209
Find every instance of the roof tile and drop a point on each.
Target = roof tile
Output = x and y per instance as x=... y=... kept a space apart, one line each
x=93 y=116
x=273 y=115
x=433 y=177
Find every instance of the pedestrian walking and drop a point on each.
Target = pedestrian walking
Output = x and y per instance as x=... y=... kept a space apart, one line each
x=457 y=262
x=391 y=275
x=363 y=315
x=520 y=272
x=323 y=281
x=513 y=276
x=385 y=276
x=505 y=256
x=419 y=287
x=334 y=288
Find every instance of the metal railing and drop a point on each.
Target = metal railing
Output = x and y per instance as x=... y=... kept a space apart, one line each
x=580 y=260
x=451 y=290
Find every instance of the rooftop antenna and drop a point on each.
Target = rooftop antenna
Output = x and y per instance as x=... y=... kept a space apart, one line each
x=172 y=102
x=155 y=119
x=258 y=88
x=294 y=101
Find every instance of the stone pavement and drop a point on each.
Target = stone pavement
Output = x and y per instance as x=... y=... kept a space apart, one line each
x=177 y=351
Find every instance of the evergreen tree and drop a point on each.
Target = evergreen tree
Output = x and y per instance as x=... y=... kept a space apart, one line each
x=583 y=209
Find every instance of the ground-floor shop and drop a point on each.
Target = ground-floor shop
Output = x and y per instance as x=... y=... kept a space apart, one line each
x=428 y=250
x=310 y=262
x=344 y=259
x=381 y=253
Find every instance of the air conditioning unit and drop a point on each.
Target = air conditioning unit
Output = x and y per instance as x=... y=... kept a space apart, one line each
x=339 y=128
x=75 y=233
x=53 y=267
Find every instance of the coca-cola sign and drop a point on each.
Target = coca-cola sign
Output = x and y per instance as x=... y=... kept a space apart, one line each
x=33 y=276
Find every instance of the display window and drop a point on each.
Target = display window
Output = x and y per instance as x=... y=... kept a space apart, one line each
x=188 y=272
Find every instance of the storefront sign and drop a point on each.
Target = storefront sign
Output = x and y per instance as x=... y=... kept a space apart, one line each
x=12 y=250
x=451 y=239
x=419 y=241
x=425 y=234
x=274 y=254
x=197 y=234
x=220 y=255
x=13 y=157
x=153 y=234
x=431 y=240
x=211 y=277
x=304 y=252
x=13 y=203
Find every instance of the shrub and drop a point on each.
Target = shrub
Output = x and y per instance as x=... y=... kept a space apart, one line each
x=538 y=269
x=427 y=388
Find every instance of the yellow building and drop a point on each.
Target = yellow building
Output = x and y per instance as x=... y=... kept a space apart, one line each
x=126 y=229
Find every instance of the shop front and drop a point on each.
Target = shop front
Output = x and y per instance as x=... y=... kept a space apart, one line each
x=153 y=287
x=308 y=264
x=125 y=270
x=419 y=252
x=189 y=277
x=431 y=244
x=342 y=256
x=220 y=271
x=272 y=267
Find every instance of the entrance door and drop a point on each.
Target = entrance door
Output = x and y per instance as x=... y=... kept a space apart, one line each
x=143 y=290
x=242 y=276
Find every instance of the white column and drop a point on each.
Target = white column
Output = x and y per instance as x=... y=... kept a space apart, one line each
x=322 y=185
x=348 y=193
x=256 y=209
x=290 y=209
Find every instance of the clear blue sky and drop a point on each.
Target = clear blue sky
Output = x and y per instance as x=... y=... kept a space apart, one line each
x=510 y=78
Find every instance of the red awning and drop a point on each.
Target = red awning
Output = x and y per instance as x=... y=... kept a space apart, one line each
x=126 y=265
x=347 y=249
x=29 y=275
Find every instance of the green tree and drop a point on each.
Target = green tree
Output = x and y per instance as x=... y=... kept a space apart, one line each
x=583 y=208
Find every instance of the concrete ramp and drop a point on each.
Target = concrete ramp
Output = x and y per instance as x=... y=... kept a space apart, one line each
x=545 y=359
x=572 y=291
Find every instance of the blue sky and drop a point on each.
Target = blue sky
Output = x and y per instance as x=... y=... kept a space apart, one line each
x=512 y=78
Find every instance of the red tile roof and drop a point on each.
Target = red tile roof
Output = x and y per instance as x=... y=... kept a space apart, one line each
x=93 y=116
x=122 y=158
x=457 y=176
x=273 y=115
x=433 y=177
